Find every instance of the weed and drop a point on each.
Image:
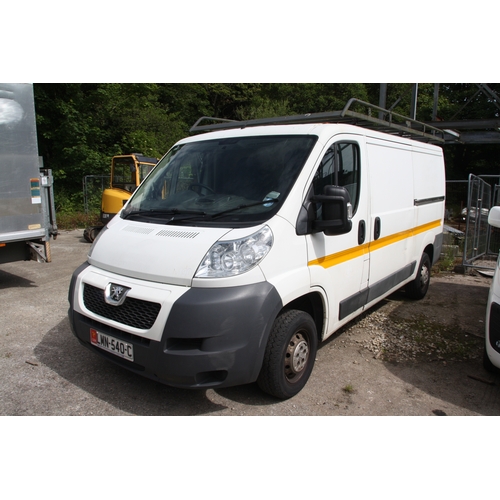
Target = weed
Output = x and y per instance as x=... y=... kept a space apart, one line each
x=447 y=262
x=76 y=220
x=349 y=389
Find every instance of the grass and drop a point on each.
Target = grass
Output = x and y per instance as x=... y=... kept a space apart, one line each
x=68 y=221
x=447 y=262
x=349 y=389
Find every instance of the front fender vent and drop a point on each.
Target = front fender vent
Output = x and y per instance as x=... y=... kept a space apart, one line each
x=168 y=233
x=137 y=229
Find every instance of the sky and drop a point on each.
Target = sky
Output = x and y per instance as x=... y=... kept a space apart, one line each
x=261 y=41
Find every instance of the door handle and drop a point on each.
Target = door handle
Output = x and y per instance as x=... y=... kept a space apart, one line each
x=376 y=234
x=361 y=232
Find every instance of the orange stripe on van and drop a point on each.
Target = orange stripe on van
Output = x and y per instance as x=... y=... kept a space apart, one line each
x=352 y=253
x=339 y=257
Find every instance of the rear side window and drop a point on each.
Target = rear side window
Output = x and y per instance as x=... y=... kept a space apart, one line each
x=340 y=167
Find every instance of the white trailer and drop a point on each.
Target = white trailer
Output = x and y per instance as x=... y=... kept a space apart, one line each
x=27 y=213
x=248 y=245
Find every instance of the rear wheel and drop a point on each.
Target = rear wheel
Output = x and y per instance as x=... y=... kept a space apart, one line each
x=290 y=354
x=417 y=288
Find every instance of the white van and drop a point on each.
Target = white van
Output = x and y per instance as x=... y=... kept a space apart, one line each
x=491 y=359
x=245 y=247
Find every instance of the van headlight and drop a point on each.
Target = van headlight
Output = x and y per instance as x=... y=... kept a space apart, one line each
x=230 y=258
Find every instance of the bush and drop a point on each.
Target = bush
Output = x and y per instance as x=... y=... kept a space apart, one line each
x=77 y=220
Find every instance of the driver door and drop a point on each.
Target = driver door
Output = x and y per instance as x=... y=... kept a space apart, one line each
x=340 y=264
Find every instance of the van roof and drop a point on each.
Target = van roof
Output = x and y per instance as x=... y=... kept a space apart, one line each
x=324 y=131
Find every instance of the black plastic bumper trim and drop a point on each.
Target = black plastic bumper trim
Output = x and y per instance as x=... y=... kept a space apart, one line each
x=214 y=337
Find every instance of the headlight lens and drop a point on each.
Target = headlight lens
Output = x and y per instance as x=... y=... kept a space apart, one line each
x=230 y=258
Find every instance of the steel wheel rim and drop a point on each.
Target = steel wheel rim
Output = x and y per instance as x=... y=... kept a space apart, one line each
x=424 y=277
x=296 y=357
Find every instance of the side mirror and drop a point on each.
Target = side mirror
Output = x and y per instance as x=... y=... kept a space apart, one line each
x=337 y=209
x=494 y=217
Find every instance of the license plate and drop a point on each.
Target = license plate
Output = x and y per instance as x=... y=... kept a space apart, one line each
x=110 y=344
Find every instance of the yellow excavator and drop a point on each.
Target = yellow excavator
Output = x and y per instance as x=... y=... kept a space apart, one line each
x=127 y=172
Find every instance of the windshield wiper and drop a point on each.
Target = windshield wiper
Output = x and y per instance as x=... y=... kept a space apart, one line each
x=240 y=207
x=175 y=215
x=166 y=215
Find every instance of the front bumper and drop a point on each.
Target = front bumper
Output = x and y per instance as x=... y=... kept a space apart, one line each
x=210 y=337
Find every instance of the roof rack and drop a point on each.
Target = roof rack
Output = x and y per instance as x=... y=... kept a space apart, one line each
x=386 y=121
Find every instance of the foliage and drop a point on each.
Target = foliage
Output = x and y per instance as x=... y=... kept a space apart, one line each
x=81 y=126
x=447 y=260
x=76 y=220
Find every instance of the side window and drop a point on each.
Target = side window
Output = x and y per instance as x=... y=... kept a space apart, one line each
x=340 y=167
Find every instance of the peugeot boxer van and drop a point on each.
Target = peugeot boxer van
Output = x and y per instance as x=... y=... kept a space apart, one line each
x=246 y=247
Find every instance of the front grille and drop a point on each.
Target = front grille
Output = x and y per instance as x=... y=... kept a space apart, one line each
x=133 y=312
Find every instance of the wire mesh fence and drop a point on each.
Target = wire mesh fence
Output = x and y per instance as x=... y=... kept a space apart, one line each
x=93 y=186
x=468 y=203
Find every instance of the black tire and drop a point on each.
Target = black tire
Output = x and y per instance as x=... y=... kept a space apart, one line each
x=90 y=233
x=290 y=354
x=417 y=288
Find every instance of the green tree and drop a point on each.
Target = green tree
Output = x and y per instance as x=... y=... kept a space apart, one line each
x=303 y=98
x=81 y=126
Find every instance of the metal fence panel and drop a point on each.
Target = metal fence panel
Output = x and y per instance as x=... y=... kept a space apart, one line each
x=93 y=186
x=477 y=228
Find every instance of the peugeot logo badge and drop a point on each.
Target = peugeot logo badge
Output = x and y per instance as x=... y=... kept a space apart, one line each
x=115 y=294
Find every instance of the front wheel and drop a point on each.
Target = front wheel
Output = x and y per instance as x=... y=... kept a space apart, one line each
x=290 y=354
x=417 y=288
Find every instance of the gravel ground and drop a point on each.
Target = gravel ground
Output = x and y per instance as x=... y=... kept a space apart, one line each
x=417 y=338
x=400 y=358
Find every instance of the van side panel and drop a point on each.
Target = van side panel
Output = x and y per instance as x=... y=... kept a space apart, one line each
x=428 y=173
x=429 y=197
x=392 y=210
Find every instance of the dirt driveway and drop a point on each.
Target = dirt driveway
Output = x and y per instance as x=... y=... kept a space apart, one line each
x=401 y=358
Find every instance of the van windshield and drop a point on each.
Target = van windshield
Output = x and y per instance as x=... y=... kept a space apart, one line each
x=240 y=180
